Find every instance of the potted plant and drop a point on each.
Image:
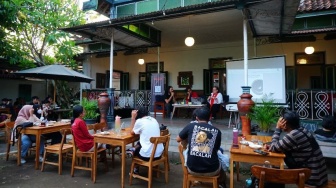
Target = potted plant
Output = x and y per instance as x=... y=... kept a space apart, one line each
x=265 y=114
x=90 y=107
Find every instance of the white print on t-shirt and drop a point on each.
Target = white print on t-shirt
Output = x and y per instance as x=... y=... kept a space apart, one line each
x=203 y=141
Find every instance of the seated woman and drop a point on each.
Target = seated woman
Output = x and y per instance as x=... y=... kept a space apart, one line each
x=26 y=114
x=83 y=139
x=38 y=112
x=328 y=132
x=214 y=101
x=55 y=137
x=170 y=100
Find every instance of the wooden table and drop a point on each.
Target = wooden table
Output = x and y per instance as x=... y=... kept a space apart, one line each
x=38 y=131
x=116 y=140
x=185 y=106
x=245 y=154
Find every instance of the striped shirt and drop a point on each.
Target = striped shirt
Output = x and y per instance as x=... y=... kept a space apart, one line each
x=297 y=142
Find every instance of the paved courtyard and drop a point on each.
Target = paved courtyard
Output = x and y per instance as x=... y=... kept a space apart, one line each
x=25 y=175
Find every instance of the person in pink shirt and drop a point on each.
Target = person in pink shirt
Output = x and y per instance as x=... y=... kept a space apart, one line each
x=26 y=114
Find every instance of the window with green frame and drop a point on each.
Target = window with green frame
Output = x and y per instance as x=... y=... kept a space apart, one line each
x=125 y=10
x=146 y=6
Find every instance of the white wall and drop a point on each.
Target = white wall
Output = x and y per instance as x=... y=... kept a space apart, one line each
x=10 y=88
x=196 y=58
x=100 y=65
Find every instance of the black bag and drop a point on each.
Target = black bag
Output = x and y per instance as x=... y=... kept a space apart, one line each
x=18 y=129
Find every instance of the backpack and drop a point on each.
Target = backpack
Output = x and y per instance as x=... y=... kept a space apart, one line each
x=18 y=128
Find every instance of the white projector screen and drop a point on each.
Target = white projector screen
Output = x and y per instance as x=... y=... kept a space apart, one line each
x=266 y=75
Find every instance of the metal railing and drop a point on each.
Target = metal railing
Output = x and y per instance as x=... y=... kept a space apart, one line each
x=310 y=104
x=124 y=99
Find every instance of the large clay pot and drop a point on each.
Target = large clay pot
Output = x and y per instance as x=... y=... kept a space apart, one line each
x=103 y=104
x=244 y=107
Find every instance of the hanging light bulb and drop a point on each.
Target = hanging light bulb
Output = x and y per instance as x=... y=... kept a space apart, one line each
x=189 y=41
x=309 y=50
x=141 y=61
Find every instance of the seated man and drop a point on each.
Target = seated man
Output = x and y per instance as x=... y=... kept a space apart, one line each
x=146 y=127
x=300 y=148
x=328 y=132
x=203 y=144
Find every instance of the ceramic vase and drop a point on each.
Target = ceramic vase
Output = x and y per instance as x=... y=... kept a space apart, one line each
x=103 y=104
x=244 y=107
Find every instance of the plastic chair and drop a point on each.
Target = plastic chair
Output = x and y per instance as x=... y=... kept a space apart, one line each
x=59 y=149
x=153 y=163
x=187 y=178
x=286 y=176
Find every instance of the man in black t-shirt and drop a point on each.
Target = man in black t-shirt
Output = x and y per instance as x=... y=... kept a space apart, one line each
x=203 y=144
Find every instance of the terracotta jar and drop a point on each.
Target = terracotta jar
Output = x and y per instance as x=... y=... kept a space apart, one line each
x=244 y=107
x=103 y=104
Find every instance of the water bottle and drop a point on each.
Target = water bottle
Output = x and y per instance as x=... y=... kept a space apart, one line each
x=235 y=136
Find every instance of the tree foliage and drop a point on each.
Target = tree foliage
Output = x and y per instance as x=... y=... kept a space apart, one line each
x=30 y=32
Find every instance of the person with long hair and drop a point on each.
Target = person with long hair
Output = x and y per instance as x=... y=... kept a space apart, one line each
x=55 y=137
x=83 y=139
x=26 y=114
x=169 y=100
x=214 y=101
x=38 y=112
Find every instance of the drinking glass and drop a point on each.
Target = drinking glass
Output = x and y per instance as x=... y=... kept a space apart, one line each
x=117 y=130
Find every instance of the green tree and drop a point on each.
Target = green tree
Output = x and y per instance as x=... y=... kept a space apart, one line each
x=30 y=32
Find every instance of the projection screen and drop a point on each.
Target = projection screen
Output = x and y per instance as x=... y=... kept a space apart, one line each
x=266 y=75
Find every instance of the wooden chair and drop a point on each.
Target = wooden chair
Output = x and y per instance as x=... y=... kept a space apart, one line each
x=222 y=109
x=9 y=125
x=9 y=128
x=153 y=163
x=331 y=184
x=164 y=133
x=187 y=178
x=159 y=105
x=3 y=124
x=287 y=176
x=100 y=127
x=59 y=149
x=88 y=155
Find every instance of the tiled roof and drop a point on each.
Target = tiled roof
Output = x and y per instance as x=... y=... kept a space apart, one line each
x=316 y=5
x=323 y=30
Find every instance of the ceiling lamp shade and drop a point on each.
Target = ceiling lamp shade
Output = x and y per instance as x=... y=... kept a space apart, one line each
x=189 y=41
x=141 y=61
x=309 y=50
